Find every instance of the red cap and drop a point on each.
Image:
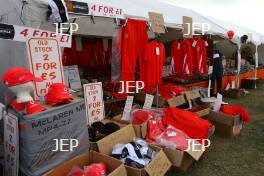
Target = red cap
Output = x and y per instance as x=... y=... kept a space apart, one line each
x=33 y=107
x=17 y=76
x=18 y=106
x=58 y=93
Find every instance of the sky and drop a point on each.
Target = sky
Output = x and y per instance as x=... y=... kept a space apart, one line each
x=247 y=13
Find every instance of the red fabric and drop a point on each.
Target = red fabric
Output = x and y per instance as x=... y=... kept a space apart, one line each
x=118 y=95
x=187 y=57
x=108 y=57
x=133 y=41
x=96 y=169
x=18 y=106
x=236 y=110
x=58 y=93
x=70 y=55
x=17 y=76
x=86 y=56
x=140 y=116
x=199 y=56
x=173 y=138
x=33 y=107
x=98 y=50
x=154 y=129
x=176 y=55
x=188 y=122
x=154 y=58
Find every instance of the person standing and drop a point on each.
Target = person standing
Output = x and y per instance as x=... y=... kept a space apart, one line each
x=217 y=74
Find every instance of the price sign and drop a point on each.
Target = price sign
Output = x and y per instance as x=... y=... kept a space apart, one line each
x=148 y=101
x=45 y=63
x=11 y=144
x=93 y=94
x=73 y=77
x=157 y=22
x=128 y=108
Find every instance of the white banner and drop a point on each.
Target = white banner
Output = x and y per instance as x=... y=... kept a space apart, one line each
x=93 y=93
x=11 y=143
x=23 y=33
x=45 y=63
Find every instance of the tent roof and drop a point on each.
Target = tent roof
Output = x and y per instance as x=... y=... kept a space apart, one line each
x=173 y=16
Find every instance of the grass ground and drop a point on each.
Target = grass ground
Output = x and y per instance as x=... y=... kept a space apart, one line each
x=243 y=156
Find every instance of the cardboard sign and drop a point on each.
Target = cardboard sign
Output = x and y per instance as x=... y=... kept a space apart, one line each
x=11 y=143
x=128 y=108
x=218 y=102
x=187 y=27
x=157 y=22
x=148 y=101
x=72 y=73
x=93 y=93
x=94 y=9
x=22 y=34
x=45 y=63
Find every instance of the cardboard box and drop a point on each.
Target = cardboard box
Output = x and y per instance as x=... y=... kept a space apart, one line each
x=157 y=167
x=177 y=101
x=195 y=98
x=114 y=166
x=140 y=130
x=93 y=145
x=225 y=125
x=140 y=98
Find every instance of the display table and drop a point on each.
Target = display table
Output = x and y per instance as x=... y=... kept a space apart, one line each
x=37 y=134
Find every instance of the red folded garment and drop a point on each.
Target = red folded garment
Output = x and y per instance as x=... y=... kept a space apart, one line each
x=236 y=110
x=140 y=116
x=188 y=122
x=155 y=128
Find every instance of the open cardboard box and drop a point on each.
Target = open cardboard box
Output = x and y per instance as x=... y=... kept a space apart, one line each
x=195 y=98
x=114 y=166
x=140 y=130
x=226 y=125
x=140 y=98
x=157 y=167
x=93 y=145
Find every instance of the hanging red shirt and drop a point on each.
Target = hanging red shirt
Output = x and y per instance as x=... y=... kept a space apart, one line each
x=99 y=53
x=176 y=57
x=199 y=56
x=187 y=66
x=86 y=55
x=70 y=55
x=152 y=66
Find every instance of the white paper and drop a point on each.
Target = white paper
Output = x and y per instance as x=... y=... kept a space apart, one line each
x=190 y=104
x=210 y=71
x=218 y=102
x=157 y=51
x=148 y=101
x=128 y=108
x=74 y=77
x=209 y=89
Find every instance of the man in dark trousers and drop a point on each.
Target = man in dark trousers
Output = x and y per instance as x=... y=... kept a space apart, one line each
x=217 y=73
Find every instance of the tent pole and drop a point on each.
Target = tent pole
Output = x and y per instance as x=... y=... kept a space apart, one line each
x=238 y=64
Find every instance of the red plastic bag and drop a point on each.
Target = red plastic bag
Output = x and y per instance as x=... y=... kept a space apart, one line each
x=155 y=128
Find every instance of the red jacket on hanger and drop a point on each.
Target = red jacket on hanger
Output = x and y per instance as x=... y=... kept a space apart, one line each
x=86 y=55
x=187 y=66
x=176 y=57
x=199 y=56
x=70 y=55
x=99 y=53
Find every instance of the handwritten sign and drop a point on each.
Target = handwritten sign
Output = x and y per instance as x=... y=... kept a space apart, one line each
x=157 y=22
x=148 y=101
x=45 y=63
x=93 y=93
x=128 y=108
x=187 y=27
x=94 y=9
x=11 y=144
x=23 y=33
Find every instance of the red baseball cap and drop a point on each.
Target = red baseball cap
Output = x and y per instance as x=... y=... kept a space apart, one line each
x=33 y=107
x=17 y=76
x=58 y=93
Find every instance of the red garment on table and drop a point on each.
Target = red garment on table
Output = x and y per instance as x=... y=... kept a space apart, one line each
x=154 y=58
x=99 y=57
x=154 y=129
x=168 y=91
x=118 y=95
x=173 y=138
x=188 y=122
x=236 y=110
x=86 y=56
x=133 y=41
x=70 y=55
x=140 y=116
x=199 y=56
x=187 y=63
x=176 y=57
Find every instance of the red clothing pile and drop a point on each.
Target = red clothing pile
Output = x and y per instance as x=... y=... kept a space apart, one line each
x=236 y=110
x=188 y=122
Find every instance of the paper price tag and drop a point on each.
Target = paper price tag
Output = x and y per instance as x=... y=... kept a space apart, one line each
x=218 y=102
x=194 y=44
x=210 y=71
x=179 y=46
x=128 y=108
x=157 y=51
x=148 y=101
